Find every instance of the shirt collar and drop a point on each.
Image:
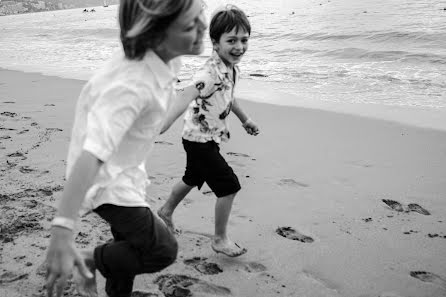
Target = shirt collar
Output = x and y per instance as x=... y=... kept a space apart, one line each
x=222 y=68
x=165 y=73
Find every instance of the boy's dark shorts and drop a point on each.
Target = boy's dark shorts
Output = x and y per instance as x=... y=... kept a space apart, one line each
x=206 y=164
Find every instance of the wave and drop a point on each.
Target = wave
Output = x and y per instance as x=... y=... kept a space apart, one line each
x=305 y=36
x=398 y=36
x=420 y=38
x=385 y=55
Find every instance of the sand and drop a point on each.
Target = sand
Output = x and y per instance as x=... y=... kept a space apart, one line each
x=332 y=204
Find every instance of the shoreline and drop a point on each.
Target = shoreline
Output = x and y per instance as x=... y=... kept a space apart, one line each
x=429 y=118
x=309 y=174
x=259 y=91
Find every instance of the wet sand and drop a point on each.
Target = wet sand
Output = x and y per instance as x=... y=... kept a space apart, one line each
x=331 y=204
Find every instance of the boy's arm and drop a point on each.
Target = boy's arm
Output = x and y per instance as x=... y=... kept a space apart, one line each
x=247 y=123
x=62 y=254
x=183 y=98
x=237 y=109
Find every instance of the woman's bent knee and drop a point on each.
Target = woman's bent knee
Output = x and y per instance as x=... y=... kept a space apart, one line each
x=170 y=254
x=162 y=257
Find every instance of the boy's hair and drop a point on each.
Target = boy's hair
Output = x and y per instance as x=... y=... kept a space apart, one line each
x=143 y=23
x=225 y=19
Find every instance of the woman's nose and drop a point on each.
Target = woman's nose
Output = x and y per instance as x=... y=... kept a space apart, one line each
x=202 y=23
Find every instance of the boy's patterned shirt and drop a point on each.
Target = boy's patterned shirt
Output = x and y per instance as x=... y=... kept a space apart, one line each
x=205 y=118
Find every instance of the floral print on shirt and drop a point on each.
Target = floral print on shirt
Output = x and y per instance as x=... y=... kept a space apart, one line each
x=205 y=119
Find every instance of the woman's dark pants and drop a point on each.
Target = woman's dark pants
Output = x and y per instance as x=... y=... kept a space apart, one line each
x=142 y=244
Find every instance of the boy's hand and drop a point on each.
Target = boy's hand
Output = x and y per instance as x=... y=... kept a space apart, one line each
x=61 y=257
x=251 y=127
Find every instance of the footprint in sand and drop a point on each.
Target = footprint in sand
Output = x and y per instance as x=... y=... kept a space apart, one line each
x=36 y=192
x=254 y=267
x=26 y=169
x=7 y=129
x=201 y=265
x=9 y=277
x=30 y=203
x=23 y=131
x=290 y=233
x=395 y=205
x=14 y=224
x=292 y=182
x=8 y=114
x=237 y=154
x=16 y=155
x=417 y=208
x=177 y=285
x=429 y=277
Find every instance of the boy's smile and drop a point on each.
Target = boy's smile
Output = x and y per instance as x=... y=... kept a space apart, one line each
x=232 y=46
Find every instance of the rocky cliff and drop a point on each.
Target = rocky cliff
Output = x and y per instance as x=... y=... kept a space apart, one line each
x=27 y=6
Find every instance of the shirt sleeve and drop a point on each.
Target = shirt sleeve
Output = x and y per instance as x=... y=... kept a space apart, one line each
x=206 y=82
x=110 y=118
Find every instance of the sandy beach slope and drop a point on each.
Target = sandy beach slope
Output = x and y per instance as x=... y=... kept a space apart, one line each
x=332 y=204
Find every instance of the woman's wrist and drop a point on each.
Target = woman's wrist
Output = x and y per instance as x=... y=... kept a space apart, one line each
x=63 y=222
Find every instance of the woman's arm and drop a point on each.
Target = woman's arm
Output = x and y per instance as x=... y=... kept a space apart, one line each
x=62 y=254
x=179 y=105
x=80 y=180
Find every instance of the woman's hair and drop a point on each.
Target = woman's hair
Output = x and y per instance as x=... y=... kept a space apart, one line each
x=225 y=19
x=144 y=22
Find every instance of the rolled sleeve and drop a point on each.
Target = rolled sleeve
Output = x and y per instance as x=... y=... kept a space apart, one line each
x=109 y=119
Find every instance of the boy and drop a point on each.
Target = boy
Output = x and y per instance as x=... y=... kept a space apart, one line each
x=205 y=125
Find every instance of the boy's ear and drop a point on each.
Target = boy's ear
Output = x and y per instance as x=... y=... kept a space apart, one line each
x=214 y=44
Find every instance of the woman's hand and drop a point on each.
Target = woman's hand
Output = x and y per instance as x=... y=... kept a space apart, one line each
x=61 y=257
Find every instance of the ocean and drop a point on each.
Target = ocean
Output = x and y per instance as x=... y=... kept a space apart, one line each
x=378 y=52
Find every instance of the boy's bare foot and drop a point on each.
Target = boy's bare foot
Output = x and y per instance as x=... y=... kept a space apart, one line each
x=168 y=221
x=86 y=286
x=227 y=247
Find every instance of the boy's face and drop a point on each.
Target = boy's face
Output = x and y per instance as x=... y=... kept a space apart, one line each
x=185 y=35
x=232 y=46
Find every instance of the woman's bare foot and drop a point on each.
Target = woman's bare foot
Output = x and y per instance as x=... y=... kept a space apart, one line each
x=227 y=247
x=86 y=286
x=168 y=221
